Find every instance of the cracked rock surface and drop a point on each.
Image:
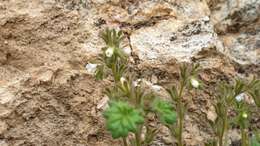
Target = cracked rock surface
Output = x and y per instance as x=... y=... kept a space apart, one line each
x=47 y=97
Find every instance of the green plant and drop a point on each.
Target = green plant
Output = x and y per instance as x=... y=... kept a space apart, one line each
x=188 y=79
x=122 y=119
x=129 y=103
x=255 y=140
x=233 y=96
x=165 y=112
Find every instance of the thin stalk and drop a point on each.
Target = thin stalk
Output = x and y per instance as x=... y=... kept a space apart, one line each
x=181 y=116
x=244 y=137
x=124 y=141
x=114 y=72
x=224 y=128
x=180 y=127
x=138 y=138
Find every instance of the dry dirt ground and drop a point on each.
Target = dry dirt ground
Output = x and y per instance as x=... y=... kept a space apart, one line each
x=47 y=98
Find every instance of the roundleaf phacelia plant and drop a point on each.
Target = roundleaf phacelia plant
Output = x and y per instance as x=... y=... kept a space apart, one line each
x=165 y=112
x=188 y=80
x=122 y=119
x=255 y=140
x=232 y=97
x=129 y=103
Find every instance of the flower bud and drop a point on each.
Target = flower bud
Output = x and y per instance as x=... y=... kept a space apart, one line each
x=122 y=80
x=244 y=115
x=195 y=83
x=109 y=52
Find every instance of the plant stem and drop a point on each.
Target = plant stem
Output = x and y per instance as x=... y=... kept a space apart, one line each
x=244 y=137
x=138 y=138
x=180 y=127
x=124 y=141
x=181 y=116
x=113 y=68
x=224 y=128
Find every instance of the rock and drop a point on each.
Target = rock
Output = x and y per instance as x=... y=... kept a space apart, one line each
x=231 y=15
x=103 y=103
x=3 y=143
x=5 y=96
x=234 y=135
x=2 y=58
x=156 y=45
x=3 y=127
x=4 y=111
x=77 y=100
x=156 y=88
x=243 y=48
x=43 y=75
x=193 y=135
x=91 y=68
x=127 y=50
x=47 y=98
x=211 y=114
x=168 y=140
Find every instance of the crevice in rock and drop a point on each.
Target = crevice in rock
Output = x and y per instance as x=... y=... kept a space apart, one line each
x=148 y=23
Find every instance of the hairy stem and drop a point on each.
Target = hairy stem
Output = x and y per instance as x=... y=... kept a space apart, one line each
x=244 y=137
x=224 y=129
x=181 y=116
x=124 y=141
x=138 y=138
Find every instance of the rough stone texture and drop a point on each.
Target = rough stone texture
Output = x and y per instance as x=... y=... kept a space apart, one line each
x=238 y=21
x=231 y=15
x=173 y=39
x=244 y=48
x=47 y=98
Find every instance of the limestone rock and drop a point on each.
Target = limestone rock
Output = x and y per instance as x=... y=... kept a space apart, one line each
x=3 y=143
x=3 y=127
x=5 y=96
x=243 y=48
x=4 y=111
x=173 y=39
x=230 y=15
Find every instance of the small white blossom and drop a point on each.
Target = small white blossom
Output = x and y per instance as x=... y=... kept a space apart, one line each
x=109 y=52
x=91 y=68
x=195 y=83
x=122 y=80
x=240 y=97
x=244 y=115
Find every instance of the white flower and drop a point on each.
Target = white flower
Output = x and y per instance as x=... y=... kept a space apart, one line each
x=109 y=52
x=240 y=97
x=122 y=80
x=195 y=83
x=91 y=68
x=244 y=115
